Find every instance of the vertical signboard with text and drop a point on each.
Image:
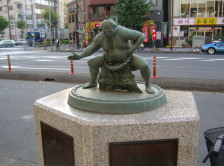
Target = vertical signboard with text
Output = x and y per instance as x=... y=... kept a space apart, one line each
x=153 y=32
x=145 y=32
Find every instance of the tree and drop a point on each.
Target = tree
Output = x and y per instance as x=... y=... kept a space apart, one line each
x=132 y=13
x=53 y=17
x=3 y=24
x=21 y=24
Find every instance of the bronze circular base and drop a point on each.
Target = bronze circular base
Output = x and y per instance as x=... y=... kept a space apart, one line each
x=116 y=101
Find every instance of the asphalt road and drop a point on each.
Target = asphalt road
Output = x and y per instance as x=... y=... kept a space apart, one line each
x=16 y=117
x=181 y=65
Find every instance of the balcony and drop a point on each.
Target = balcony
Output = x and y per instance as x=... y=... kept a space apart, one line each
x=102 y=2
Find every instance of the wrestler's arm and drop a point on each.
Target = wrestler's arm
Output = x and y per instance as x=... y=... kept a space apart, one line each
x=138 y=39
x=95 y=46
x=134 y=35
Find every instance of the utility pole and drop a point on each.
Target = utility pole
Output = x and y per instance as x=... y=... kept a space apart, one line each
x=49 y=15
x=33 y=25
x=10 y=33
x=171 y=27
x=77 y=25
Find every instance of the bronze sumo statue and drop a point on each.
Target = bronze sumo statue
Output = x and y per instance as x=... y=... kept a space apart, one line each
x=118 y=59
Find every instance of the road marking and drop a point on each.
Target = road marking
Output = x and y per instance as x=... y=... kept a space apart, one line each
x=45 y=60
x=33 y=68
x=14 y=52
x=177 y=59
x=211 y=60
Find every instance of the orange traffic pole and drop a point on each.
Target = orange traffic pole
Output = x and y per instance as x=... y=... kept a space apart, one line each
x=72 y=68
x=9 y=64
x=154 y=68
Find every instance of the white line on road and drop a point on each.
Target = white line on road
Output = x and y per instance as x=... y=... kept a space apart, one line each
x=45 y=60
x=33 y=68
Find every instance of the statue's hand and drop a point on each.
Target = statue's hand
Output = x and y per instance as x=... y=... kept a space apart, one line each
x=74 y=57
x=129 y=52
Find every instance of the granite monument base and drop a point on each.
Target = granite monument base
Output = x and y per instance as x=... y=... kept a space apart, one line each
x=164 y=136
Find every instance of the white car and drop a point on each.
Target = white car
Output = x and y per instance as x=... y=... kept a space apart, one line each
x=8 y=43
x=21 y=42
x=1 y=44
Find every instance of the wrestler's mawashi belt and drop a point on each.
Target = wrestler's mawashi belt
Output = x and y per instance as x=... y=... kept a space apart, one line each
x=116 y=66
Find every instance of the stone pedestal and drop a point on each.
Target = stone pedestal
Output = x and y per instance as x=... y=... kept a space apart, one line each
x=67 y=136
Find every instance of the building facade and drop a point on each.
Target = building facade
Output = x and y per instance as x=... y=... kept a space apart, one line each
x=204 y=18
x=76 y=23
x=31 y=12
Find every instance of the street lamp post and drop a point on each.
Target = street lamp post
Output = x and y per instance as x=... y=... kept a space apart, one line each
x=33 y=25
x=171 y=27
x=77 y=26
x=49 y=15
x=10 y=33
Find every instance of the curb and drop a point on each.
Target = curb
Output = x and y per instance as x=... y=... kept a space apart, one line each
x=189 y=84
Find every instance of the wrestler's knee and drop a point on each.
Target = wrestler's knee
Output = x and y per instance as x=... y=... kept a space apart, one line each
x=95 y=62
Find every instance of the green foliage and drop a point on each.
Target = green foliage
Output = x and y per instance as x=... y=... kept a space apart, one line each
x=53 y=15
x=3 y=24
x=64 y=41
x=131 y=13
x=21 y=24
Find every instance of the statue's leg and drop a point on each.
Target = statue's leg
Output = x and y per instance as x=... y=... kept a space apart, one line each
x=140 y=63
x=94 y=65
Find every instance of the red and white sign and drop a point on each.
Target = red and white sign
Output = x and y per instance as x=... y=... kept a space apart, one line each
x=183 y=21
x=97 y=25
x=145 y=32
x=153 y=32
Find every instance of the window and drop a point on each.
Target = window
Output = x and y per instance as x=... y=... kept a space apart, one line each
x=70 y=36
x=176 y=10
x=73 y=18
x=0 y=8
x=69 y=18
x=211 y=9
x=194 y=8
x=201 y=8
x=218 y=8
x=153 y=2
x=98 y=12
x=19 y=6
x=28 y=7
x=185 y=5
x=29 y=17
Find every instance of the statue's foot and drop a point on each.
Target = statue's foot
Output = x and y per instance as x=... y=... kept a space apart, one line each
x=89 y=85
x=150 y=90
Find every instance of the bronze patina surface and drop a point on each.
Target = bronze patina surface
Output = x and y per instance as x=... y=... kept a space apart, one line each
x=114 y=39
x=114 y=68
x=116 y=102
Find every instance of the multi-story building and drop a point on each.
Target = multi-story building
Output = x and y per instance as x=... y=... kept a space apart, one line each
x=175 y=21
x=31 y=12
x=12 y=11
x=76 y=23
x=203 y=18
x=96 y=11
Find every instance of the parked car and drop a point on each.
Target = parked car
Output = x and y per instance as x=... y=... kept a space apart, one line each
x=213 y=48
x=8 y=43
x=1 y=44
x=20 y=42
